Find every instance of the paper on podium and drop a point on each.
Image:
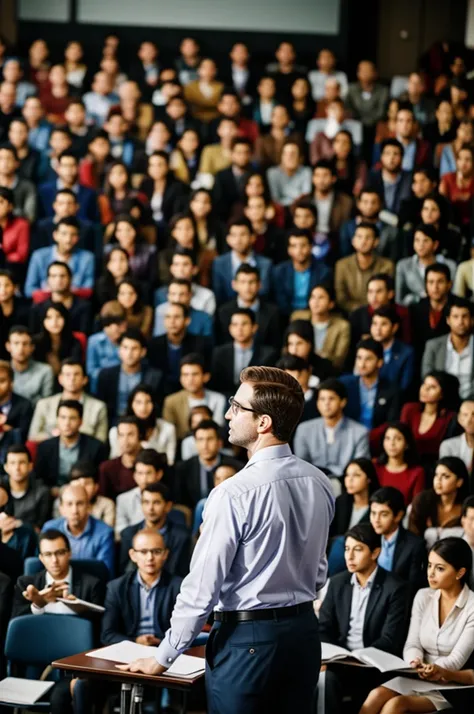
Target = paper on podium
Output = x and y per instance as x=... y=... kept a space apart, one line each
x=126 y=652
x=15 y=690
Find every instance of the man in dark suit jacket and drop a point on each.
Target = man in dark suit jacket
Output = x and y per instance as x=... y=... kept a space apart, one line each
x=42 y=589
x=428 y=317
x=174 y=191
x=123 y=618
x=229 y=183
x=390 y=181
x=402 y=553
x=15 y=412
x=68 y=174
x=302 y=262
x=247 y=285
x=59 y=282
x=240 y=239
x=176 y=343
x=54 y=458
x=229 y=360
x=399 y=358
x=194 y=478
x=115 y=383
x=156 y=506
x=381 y=624
x=370 y=400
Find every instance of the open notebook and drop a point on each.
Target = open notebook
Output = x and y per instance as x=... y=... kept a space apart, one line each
x=368 y=656
x=126 y=652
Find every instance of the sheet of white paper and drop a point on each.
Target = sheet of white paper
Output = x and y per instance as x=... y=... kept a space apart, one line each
x=84 y=605
x=405 y=685
x=186 y=666
x=15 y=690
x=126 y=652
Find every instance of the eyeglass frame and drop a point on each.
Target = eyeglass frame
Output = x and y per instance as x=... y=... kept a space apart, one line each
x=156 y=552
x=233 y=402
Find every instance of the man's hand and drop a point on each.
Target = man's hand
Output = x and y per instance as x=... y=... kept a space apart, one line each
x=7 y=524
x=148 y=640
x=41 y=598
x=146 y=666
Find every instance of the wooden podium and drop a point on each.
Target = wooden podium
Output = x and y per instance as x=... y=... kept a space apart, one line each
x=132 y=683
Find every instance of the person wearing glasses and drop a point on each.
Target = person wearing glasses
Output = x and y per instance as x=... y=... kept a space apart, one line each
x=258 y=564
x=39 y=593
x=138 y=605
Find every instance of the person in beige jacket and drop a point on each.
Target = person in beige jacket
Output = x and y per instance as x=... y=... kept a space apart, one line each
x=353 y=273
x=464 y=281
x=203 y=94
x=332 y=334
x=73 y=380
x=217 y=157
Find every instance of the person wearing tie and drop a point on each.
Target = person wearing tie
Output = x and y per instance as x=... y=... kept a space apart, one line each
x=258 y=564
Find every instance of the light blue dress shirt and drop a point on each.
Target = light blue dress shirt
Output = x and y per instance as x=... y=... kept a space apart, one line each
x=146 y=624
x=409 y=155
x=367 y=403
x=300 y=289
x=263 y=544
x=101 y=352
x=385 y=559
x=126 y=385
x=359 y=602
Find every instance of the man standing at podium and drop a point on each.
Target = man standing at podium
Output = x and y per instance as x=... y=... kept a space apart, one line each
x=258 y=564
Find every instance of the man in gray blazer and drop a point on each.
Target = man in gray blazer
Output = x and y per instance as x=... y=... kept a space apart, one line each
x=454 y=353
x=332 y=440
x=462 y=446
x=73 y=380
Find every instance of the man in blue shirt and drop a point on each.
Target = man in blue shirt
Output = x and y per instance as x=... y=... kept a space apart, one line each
x=89 y=538
x=80 y=262
x=103 y=346
x=260 y=558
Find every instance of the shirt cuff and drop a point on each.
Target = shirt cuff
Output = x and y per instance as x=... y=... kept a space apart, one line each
x=166 y=654
x=37 y=610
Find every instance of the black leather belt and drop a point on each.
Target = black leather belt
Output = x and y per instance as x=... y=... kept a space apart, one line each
x=277 y=613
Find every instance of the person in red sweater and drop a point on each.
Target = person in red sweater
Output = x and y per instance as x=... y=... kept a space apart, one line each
x=397 y=465
x=458 y=186
x=429 y=417
x=15 y=234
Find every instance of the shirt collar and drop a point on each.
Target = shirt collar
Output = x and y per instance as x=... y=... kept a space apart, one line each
x=468 y=348
x=462 y=597
x=87 y=530
x=147 y=588
x=369 y=582
x=255 y=306
x=68 y=579
x=279 y=451
x=391 y=542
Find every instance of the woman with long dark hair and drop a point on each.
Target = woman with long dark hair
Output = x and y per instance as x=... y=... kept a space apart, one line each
x=398 y=464
x=440 y=641
x=141 y=255
x=117 y=268
x=440 y=507
x=55 y=341
x=353 y=505
x=137 y=314
x=429 y=417
x=155 y=433
x=351 y=172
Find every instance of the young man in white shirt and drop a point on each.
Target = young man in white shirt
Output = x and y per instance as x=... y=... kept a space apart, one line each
x=184 y=267
x=462 y=446
x=149 y=468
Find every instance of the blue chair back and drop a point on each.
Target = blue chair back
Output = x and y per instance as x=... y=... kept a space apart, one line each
x=34 y=641
x=93 y=567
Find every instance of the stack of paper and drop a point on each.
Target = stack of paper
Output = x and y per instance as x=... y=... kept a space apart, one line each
x=14 y=690
x=126 y=652
x=403 y=685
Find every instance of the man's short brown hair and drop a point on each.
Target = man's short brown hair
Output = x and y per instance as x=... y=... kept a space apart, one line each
x=277 y=394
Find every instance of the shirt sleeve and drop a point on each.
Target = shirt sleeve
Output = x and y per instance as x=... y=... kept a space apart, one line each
x=413 y=649
x=211 y=562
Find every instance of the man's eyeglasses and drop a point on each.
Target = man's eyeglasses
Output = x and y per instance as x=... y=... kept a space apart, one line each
x=235 y=406
x=153 y=551
x=57 y=553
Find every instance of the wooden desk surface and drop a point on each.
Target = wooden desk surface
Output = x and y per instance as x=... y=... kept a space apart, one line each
x=96 y=668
